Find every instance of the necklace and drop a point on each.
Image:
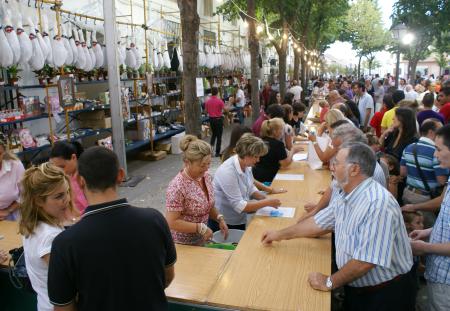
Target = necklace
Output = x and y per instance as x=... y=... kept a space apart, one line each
x=189 y=176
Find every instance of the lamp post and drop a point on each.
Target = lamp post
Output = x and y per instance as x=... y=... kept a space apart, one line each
x=397 y=32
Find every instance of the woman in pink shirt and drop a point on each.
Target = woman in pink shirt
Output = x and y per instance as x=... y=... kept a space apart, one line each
x=65 y=155
x=190 y=196
x=11 y=172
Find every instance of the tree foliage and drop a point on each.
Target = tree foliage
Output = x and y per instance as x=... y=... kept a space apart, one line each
x=364 y=29
x=427 y=20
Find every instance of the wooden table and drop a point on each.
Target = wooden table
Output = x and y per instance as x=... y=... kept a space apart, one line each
x=11 y=237
x=196 y=271
x=275 y=277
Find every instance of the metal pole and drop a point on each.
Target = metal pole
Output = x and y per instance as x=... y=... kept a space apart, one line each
x=109 y=11
x=397 y=68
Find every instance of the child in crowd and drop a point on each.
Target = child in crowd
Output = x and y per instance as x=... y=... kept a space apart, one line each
x=46 y=198
x=298 y=114
x=288 y=134
x=394 y=172
x=325 y=108
x=413 y=221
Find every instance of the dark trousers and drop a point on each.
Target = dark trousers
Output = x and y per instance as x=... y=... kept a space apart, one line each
x=216 y=132
x=214 y=226
x=397 y=295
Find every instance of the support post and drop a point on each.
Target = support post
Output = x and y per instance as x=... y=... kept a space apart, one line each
x=109 y=12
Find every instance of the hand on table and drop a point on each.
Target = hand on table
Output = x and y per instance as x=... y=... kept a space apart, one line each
x=4 y=213
x=419 y=247
x=3 y=255
x=273 y=203
x=223 y=228
x=312 y=138
x=309 y=206
x=208 y=235
x=278 y=190
x=318 y=281
x=268 y=237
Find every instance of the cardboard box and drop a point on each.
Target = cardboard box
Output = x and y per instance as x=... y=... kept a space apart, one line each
x=151 y=156
x=97 y=124
x=167 y=147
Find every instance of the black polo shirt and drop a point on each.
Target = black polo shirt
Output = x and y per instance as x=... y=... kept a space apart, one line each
x=114 y=258
x=268 y=165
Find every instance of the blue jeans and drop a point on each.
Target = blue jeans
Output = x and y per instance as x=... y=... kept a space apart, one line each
x=240 y=114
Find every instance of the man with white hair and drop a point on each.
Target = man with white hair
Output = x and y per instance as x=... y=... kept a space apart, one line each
x=410 y=93
x=335 y=98
x=373 y=252
x=296 y=89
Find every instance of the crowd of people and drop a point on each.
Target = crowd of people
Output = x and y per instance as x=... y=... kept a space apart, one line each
x=387 y=204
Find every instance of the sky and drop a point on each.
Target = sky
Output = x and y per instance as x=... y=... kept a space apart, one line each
x=343 y=50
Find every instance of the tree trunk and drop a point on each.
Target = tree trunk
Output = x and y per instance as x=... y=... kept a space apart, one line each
x=359 y=66
x=303 y=74
x=190 y=22
x=282 y=54
x=296 y=65
x=253 y=44
x=412 y=65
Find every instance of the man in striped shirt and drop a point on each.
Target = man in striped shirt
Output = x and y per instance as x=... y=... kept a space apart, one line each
x=434 y=175
x=437 y=249
x=373 y=252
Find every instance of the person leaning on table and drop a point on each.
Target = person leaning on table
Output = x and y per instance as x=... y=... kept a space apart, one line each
x=11 y=172
x=373 y=252
x=435 y=242
x=190 y=196
x=234 y=190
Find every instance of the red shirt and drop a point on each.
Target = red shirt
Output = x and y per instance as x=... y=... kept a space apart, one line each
x=323 y=112
x=256 y=128
x=445 y=111
x=376 y=121
x=214 y=107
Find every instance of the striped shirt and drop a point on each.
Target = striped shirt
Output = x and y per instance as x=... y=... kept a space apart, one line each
x=233 y=188
x=368 y=227
x=437 y=266
x=428 y=163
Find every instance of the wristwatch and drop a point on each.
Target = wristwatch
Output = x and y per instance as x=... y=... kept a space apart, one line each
x=329 y=283
x=220 y=217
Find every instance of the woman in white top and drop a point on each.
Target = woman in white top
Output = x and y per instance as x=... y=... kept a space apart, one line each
x=46 y=198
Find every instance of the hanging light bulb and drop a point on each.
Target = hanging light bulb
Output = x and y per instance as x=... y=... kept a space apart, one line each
x=259 y=29
x=295 y=45
x=270 y=36
x=284 y=36
x=309 y=63
x=306 y=52
x=299 y=50
x=245 y=24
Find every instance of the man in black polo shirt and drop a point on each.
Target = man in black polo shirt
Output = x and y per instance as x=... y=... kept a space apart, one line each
x=117 y=257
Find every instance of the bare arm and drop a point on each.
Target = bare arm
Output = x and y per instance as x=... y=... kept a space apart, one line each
x=430 y=206
x=70 y=307
x=286 y=162
x=176 y=223
x=170 y=275
x=253 y=206
x=305 y=228
x=326 y=155
x=367 y=118
x=323 y=203
x=351 y=271
x=442 y=180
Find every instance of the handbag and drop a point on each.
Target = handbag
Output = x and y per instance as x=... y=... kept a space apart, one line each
x=18 y=271
x=434 y=193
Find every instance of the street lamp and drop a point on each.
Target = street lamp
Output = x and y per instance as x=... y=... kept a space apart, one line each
x=398 y=32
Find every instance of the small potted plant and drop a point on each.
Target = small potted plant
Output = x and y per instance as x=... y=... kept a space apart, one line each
x=13 y=72
x=130 y=73
x=49 y=73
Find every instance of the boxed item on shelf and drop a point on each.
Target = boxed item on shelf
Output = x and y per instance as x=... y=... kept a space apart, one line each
x=164 y=146
x=29 y=105
x=94 y=119
x=104 y=98
x=151 y=156
x=175 y=142
x=141 y=133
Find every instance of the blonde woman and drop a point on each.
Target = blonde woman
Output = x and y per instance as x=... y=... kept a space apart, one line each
x=190 y=196
x=277 y=156
x=332 y=116
x=11 y=172
x=46 y=198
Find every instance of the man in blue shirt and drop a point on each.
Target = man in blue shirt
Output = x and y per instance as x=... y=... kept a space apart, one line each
x=437 y=249
x=373 y=252
x=435 y=176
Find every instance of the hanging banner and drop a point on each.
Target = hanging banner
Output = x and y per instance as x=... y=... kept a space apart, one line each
x=200 y=89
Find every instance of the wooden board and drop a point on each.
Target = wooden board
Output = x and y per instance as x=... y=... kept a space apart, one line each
x=196 y=271
x=275 y=278
x=11 y=237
